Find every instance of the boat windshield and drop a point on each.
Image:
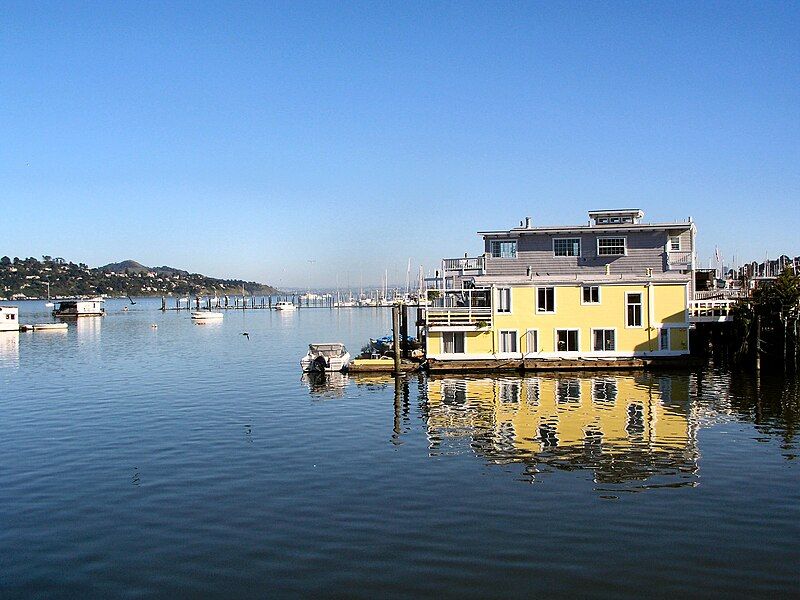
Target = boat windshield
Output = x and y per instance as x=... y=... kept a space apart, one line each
x=327 y=350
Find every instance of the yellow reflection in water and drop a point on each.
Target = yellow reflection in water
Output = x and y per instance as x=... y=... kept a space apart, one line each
x=621 y=427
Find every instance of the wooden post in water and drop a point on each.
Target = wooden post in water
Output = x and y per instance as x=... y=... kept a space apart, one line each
x=758 y=343
x=163 y=303
x=404 y=329
x=396 y=337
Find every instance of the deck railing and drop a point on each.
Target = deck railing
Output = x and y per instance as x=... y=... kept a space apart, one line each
x=680 y=259
x=464 y=264
x=467 y=316
x=710 y=310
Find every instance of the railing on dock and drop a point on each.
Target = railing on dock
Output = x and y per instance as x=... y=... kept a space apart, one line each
x=709 y=311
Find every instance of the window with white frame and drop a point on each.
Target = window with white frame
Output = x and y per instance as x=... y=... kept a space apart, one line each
x=611 y=246
x=591 y=294
x=453 y=342
x=508 y=341
x=633 y=309
x=603 y=340
x=504 y=300
x=504 y=248
x=567 y=340
x=531 y=341
x=567 y=247
x=674 y=242
x=546 y=300
x=663 y=339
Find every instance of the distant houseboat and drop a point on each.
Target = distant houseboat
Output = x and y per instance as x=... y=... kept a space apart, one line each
x=91 y=307
x=9 y=318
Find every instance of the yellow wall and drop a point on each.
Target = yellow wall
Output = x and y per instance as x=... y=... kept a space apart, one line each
x=669 y=305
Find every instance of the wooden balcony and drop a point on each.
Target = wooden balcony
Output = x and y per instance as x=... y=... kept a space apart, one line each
x=466 y=318
x=473 y=266
x=679 y=260
x=711 y=311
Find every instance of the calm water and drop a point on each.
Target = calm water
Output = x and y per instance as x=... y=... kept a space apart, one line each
x=188 y=460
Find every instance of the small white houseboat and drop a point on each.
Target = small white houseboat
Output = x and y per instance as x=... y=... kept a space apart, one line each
x=325 y=357
x=9 y=318
x=285 y=305
x=87 y=307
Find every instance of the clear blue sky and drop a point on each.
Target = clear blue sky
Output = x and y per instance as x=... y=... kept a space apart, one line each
x=245 y=139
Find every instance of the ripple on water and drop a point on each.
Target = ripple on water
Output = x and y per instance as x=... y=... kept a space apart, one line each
x=189 y=460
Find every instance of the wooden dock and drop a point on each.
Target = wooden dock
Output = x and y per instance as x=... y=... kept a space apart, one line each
x=579 y=364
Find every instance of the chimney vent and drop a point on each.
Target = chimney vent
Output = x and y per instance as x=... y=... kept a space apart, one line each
x=527 y=222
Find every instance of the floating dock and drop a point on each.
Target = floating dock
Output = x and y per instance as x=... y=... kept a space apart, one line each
x=576 y=364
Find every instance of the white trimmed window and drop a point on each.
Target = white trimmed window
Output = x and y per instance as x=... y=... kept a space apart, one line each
x=567 y=247
x=531 y=341
x=591 y=294
x=663 y=339
x=674 y=242
x=567 y=340
x=633 y=309
x=503 y=248
x=504 y=300
x=546 y=299
x=611 y=246
x=453 y=342
x=508 y=341
x=603 y=340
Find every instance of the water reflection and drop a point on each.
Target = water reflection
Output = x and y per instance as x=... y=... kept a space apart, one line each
x=632 y=428
x=9 y=348
x=88 y=329
x=325 y=385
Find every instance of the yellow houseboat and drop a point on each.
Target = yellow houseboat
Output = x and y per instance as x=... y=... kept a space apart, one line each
x=615 y=291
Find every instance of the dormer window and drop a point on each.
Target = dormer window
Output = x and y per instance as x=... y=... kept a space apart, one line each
x=631 y=216
x=504 y=248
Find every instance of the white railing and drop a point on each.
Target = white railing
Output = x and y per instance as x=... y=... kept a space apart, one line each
x=710 y=310
x=723 y=294
x=681 y=259
x=463 y=264
x=468 y=316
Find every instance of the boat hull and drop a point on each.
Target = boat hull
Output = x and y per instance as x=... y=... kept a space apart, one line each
x=335 y=364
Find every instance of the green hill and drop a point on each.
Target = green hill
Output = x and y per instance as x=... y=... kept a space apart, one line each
x=28 y=278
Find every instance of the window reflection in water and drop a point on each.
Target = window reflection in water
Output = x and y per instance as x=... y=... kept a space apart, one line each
x=621 y=428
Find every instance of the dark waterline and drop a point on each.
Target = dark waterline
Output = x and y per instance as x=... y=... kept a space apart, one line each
x=188 y=460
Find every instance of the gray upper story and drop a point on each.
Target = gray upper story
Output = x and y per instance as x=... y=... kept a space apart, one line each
x=613 y=242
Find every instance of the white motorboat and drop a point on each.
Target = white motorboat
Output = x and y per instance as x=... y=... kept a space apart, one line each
x=207 y=315
x=285 y=305
x=325 y=357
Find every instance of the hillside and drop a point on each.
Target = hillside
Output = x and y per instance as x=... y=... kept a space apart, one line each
x=28 y=278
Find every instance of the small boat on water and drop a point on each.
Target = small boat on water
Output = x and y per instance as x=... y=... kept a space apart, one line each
x=285 y=305
x=207 y=315
x=49 y=326
x=325 y=357
x=82 y=307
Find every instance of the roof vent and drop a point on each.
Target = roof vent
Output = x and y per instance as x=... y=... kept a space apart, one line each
x=528 y=223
